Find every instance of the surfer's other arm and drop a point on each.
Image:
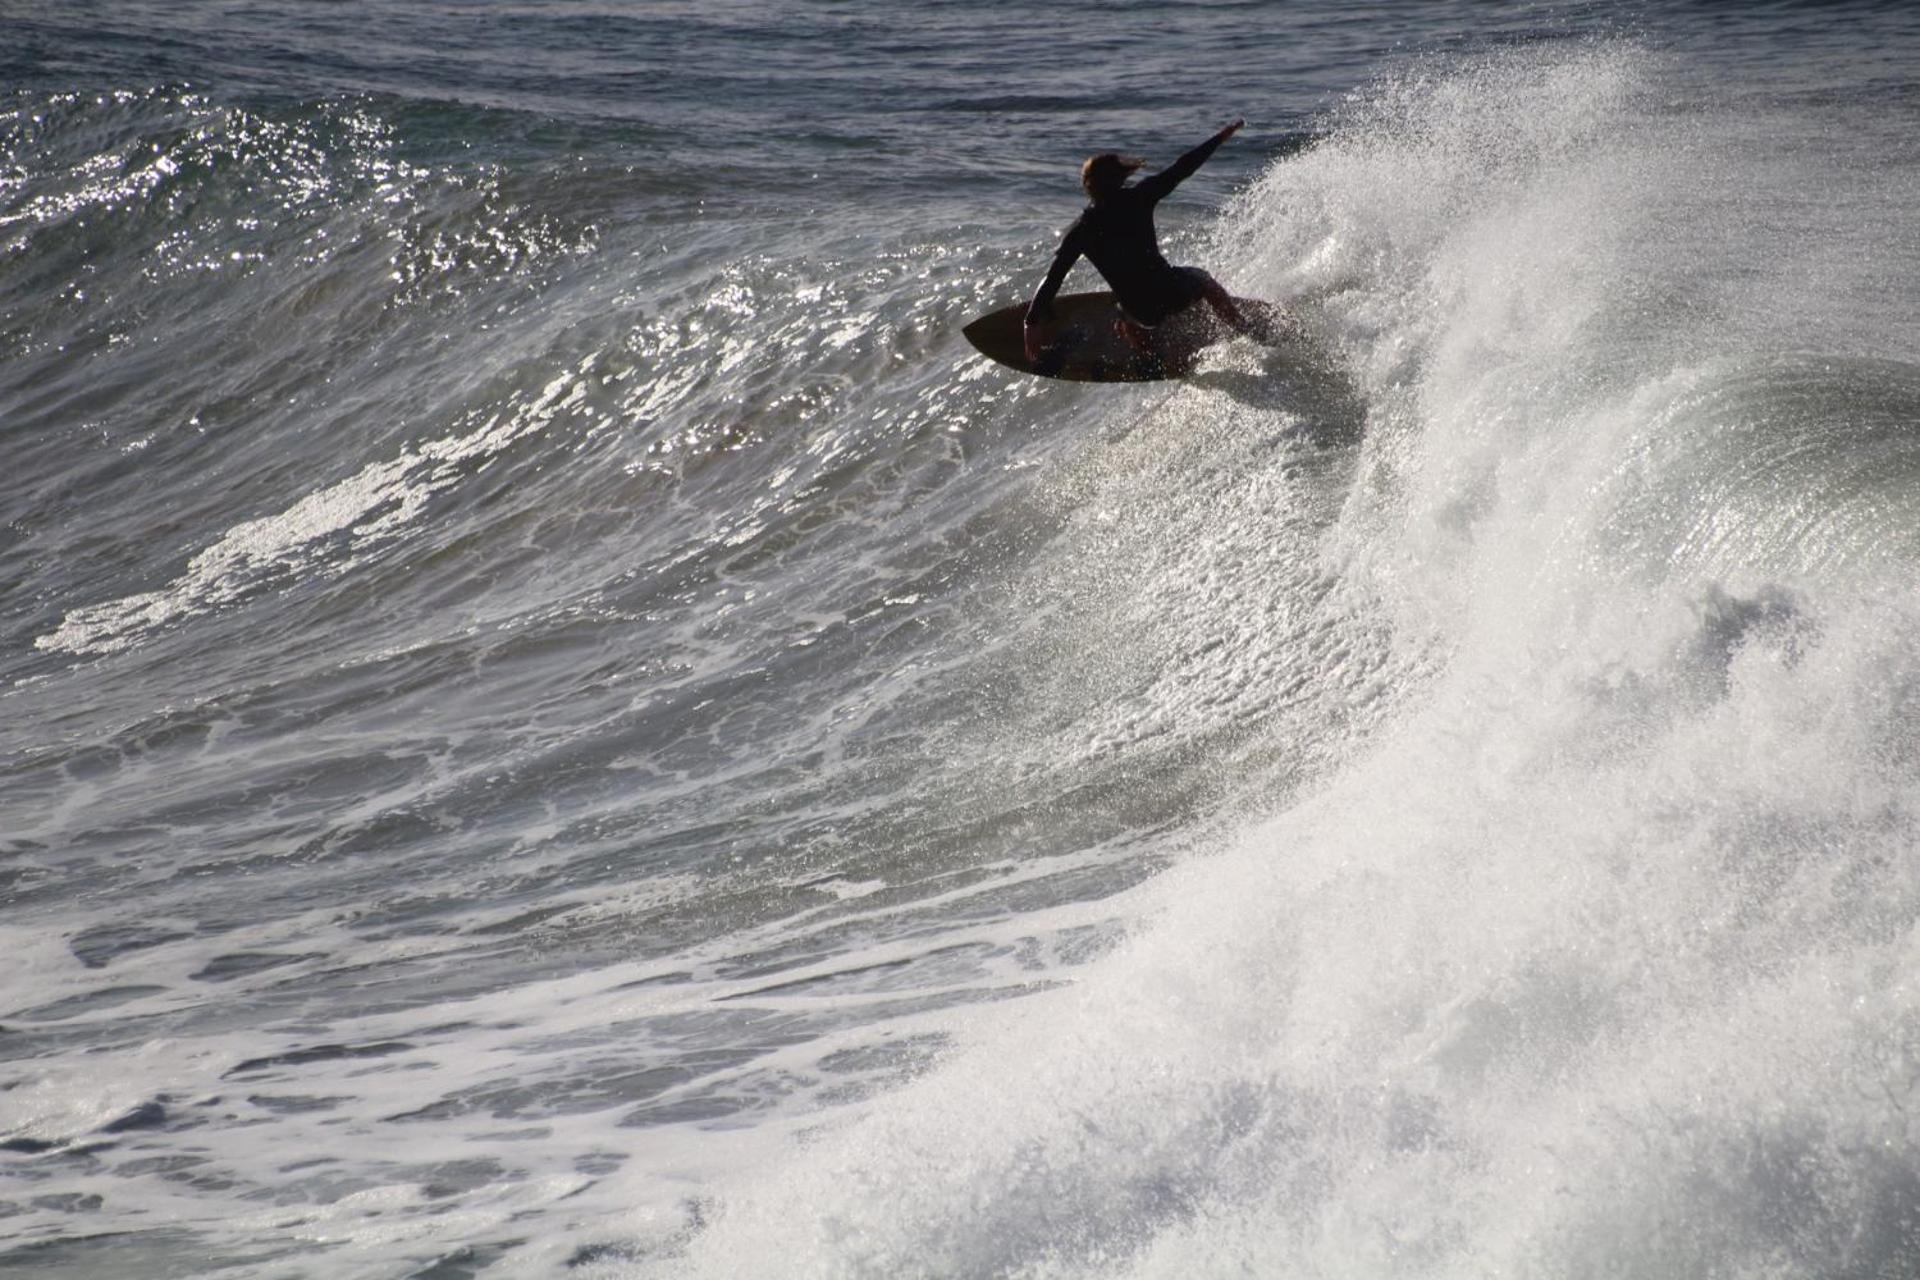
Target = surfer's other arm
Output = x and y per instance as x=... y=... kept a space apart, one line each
x=1042 y=304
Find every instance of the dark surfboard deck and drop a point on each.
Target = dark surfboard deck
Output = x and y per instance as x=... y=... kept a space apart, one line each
x=1082 y=343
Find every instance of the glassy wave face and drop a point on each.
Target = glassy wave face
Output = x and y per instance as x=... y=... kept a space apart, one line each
x=554 y=718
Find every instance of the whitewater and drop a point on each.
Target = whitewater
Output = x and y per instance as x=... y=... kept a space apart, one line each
x=555 y=719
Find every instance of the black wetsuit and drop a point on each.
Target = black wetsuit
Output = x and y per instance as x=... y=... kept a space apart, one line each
x=1117 y=237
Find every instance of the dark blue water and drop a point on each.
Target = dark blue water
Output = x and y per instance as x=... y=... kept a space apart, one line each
x=554 y=715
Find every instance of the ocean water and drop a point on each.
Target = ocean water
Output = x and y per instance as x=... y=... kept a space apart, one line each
x=556 y=720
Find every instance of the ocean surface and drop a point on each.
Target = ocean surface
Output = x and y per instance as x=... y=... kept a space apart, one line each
x=555 y=719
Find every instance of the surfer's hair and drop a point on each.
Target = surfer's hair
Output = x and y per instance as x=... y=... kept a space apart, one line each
x=1106 y=173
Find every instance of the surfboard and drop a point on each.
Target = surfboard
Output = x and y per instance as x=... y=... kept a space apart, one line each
x=1083 y=342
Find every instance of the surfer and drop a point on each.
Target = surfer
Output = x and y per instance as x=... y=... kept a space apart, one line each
x=1115 y=233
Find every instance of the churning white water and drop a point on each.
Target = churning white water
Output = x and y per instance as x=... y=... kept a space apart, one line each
x=1599 y=957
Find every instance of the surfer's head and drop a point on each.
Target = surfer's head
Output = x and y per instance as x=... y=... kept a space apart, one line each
x=1106 y=173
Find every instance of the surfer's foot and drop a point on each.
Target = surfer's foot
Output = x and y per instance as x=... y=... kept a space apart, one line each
x=1135 y=335
x=1268 y=325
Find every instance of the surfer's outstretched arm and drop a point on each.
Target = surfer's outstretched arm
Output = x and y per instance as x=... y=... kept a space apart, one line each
x=1158 y=185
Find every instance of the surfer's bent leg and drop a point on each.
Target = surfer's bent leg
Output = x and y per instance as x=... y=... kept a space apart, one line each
x=1223 y=304
x=1266 y=324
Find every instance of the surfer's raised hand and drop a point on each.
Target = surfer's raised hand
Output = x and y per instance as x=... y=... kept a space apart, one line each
x=1231 y=129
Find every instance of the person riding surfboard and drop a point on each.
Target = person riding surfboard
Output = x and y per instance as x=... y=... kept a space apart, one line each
x=1115 y=233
